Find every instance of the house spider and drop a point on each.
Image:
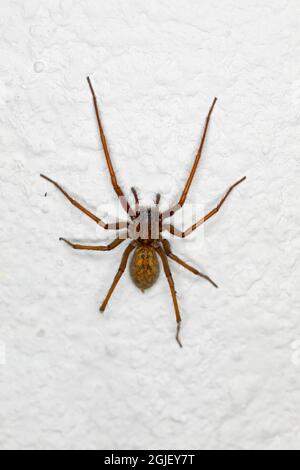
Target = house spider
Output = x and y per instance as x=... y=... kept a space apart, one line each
x=144 y=228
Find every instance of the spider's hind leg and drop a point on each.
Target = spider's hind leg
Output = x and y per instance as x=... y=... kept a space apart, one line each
x=169 y=277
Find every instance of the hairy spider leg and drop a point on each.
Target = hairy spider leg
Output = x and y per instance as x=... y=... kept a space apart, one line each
x=169 y=277
x=109 y=247
x=178 y=233
x=170 y=212
x=114 y=181
x=119 y=274
x=113 y=226
x=178 y=260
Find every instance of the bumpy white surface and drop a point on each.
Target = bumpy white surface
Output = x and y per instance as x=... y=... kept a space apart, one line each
x=72 y=379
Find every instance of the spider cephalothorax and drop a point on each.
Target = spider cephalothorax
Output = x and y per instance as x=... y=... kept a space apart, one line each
x=145 y=228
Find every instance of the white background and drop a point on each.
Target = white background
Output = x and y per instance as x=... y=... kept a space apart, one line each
x=71 y=378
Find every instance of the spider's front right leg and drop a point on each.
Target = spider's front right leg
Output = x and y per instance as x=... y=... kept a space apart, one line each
x=114 y=226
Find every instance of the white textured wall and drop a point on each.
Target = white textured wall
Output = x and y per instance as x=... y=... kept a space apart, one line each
x=70 y=378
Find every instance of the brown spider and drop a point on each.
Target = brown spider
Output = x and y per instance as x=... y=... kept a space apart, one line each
x=145 y=228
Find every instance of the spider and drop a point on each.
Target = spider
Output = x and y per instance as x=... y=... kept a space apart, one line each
x=144 y=227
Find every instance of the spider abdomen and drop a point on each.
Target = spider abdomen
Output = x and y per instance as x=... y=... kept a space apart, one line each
x=144 y=267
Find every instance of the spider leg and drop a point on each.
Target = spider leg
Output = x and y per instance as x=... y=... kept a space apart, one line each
x=178 y=260
x=178 y=233
x=109 y=247
x=120 y=272
x=114 y=181
x=114 y=226
x=182 y=199
x=169 y=277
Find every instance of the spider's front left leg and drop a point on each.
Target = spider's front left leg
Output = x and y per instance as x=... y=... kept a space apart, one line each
x=120 y=272
x=169 y=277
x=178 y=233
x=178 y=260
x=114 y=226
x=118 y=190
